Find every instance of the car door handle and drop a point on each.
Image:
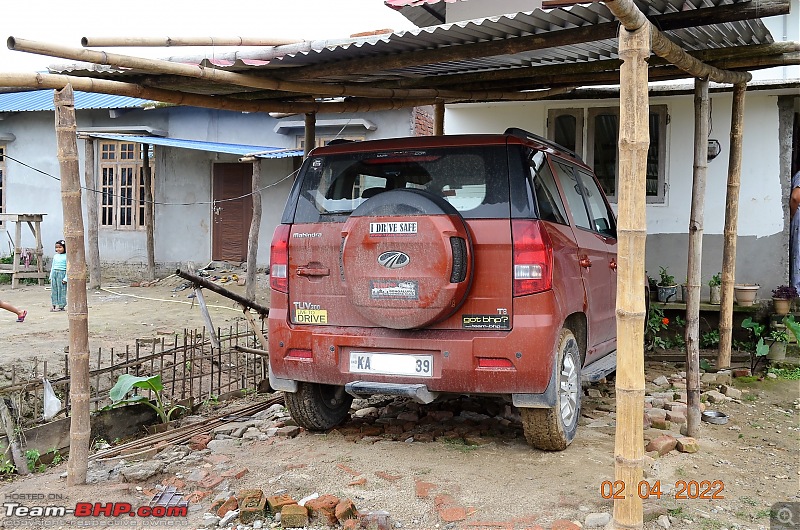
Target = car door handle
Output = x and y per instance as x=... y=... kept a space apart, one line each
x=613 y=265
x=585 y=262
x=313 y=271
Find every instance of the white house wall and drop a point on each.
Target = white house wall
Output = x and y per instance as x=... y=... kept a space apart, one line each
x=761 y=255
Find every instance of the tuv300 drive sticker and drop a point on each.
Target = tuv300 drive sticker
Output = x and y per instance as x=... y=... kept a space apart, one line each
x=307 y=313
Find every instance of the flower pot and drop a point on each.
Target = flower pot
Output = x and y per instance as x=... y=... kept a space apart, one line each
x=781 y=305
x=745 y=293
x=714 y=294
x=777 y=351
x=667 y=293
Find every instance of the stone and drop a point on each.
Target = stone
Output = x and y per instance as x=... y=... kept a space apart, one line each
x=324 y=508
x=724 y=377
x=731 y=392
x=594 y=393
x=251 y=505
x=658 y=423
x=663 y=444
x=198 y=442
x=142 y=471
x=365 y=412
x=656 y=413
x=687 y=444
x=708 y=377
x=663 y=522
x=597 y=520
x=676 y=417
x=661 y=381
x=714 y=396
x=294 y=516
x=230 y=516
x=290 y=431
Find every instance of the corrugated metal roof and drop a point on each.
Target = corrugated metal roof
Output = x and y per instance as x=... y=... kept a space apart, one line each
x=261 y=151
x=40 y=100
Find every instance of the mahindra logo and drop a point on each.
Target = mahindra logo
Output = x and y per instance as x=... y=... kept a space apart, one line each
x=394 y=259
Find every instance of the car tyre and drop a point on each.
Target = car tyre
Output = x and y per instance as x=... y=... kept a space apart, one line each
x=553 y=429
x=318 y=407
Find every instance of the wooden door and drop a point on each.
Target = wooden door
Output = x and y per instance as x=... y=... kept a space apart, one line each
x=231 y=218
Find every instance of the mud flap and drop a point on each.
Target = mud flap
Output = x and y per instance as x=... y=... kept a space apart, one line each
x=285 y=385
x=545 y=400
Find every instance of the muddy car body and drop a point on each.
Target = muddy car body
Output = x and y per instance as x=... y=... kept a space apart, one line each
x=475 y=264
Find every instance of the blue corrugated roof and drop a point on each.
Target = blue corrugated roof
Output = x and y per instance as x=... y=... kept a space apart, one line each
x=261 y=151
x=40 y=100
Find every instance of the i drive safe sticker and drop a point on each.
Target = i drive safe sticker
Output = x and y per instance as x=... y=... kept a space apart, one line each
x=391 y=229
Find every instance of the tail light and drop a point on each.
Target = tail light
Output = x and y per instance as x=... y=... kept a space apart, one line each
x=279 y=260
x=533 y=258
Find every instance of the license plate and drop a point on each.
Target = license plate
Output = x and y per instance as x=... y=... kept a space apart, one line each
x=391 y=364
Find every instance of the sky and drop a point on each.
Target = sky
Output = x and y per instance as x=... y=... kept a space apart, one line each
x=66 y=22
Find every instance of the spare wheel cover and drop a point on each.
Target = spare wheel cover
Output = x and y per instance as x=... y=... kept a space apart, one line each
x=406 y=259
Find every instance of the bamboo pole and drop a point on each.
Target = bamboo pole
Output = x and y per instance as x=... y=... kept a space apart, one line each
x=630 y=17
x=77 y=307
x=252 y=239
x=731 y=227
x=149 y=212
x=438 y=118
x=310 y=138
x=90 y=183
x=214 y=75
x=694 y=265
x=9 y=427
x=184 y=41
x=634 y=134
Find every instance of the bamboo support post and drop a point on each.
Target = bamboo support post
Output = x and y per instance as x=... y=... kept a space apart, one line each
x=731 y=227
x=310 y=138
x=18 y=458
x=252 y=238
x=77 y=307
x=149 y=211
x=438 y=118
x=90 y=183
x=696 y=220
x=634 y=48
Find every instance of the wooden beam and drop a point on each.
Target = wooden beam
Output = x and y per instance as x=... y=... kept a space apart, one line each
x=693 y=268
x=633 y=19
x=634 y=134
x=310 y=133
x=90 y=182
x=438 y=118
x=549 y=39
x=252 y=237
x=149 y=212
x=185 y=41
x=731 y=227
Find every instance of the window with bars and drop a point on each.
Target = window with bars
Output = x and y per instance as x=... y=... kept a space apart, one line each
x=2 y=180
x=566 y=126
x=122 y=185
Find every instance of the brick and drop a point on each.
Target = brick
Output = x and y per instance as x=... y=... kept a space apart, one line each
x=348 y=470
x=199 y=442
x=235 y=473
x=386 y=476
x=290 y=431
x=351 y=524
x=372 y=430
x=443 y=501
x=687 y=444
x=276 y=502
x=216 y=459
x=423 y=489
x=452 y=514
x=345 y=510
x=563 y=524
x=198 y=495
x=174 y=481
x=229 y=505
x=676 y=417
x=324 y=508
x=742 y=372
x=663 y=444
x=658 y=423
x=210 y=482
x=357 y=482
x=293 y=516
x=251 y=505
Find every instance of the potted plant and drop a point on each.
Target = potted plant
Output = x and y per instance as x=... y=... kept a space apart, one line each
x=761 y=348
x=667 y=288
x=782 y=297
x=745 y=293
x=779 y=338
x=714 y=286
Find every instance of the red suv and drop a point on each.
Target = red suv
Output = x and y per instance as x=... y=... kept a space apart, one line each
x=419 y=267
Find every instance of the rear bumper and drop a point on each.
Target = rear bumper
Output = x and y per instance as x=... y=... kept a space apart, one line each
x=321 y=354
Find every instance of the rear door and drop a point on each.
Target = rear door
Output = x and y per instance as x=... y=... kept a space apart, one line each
x=351 y=268
x=596 y=256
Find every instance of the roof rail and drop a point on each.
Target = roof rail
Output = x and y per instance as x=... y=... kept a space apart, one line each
x=522 y=133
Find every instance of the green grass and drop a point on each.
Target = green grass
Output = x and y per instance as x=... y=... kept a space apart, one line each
x=459 y=444
x=675 y=512
x=710 y=524
x=793 y=374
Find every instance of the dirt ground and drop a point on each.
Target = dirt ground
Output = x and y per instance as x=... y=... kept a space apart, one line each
x=500 y=482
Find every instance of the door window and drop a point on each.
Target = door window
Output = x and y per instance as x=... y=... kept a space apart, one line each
x=569 y=183
x=602 y=219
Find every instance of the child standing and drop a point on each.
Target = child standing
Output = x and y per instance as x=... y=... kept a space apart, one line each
x=58 y=277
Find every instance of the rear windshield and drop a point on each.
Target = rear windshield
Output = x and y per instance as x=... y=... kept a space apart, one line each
x=473 y=179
